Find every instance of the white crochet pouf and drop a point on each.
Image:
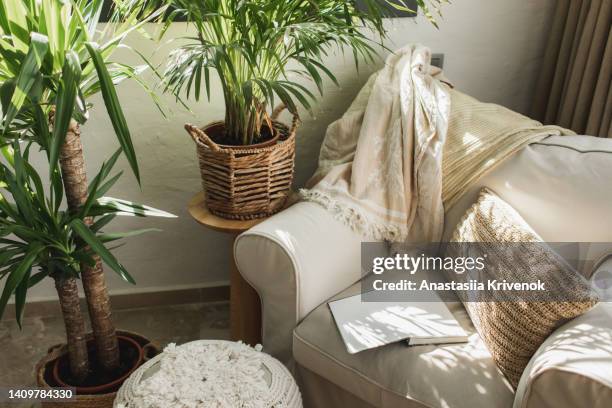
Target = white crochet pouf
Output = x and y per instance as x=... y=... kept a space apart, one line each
x=211 y=374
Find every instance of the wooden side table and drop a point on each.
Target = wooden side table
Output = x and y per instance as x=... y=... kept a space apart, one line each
x=245 y=306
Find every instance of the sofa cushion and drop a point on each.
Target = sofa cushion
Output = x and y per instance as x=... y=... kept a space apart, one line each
x=514 y=328
x=457 y=375
x=560 y=186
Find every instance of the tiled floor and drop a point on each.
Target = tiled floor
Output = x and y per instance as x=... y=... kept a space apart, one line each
x=21 y=349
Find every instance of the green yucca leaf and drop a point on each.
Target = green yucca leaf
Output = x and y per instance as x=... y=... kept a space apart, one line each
x=93 y=189
x=125 y=207
x=28 y=75
x=18 y=273
x=102 y=222
x=113 y=108
x=106 y=186
x=4 y=23
x=14 y=22
x=64 y=106
x=7 y=254
x=37 y=277
x=40 y=126
x=49 y=60
x=98 y=247
x=110 y=237
x=20 y=296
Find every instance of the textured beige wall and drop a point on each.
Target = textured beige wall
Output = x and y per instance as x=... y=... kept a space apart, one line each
x=492 y=47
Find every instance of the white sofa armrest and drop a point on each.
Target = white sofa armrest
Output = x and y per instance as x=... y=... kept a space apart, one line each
x=573 y=367
x=296 y=260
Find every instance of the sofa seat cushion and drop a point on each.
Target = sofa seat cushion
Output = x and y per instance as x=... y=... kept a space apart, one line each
x=442 y=376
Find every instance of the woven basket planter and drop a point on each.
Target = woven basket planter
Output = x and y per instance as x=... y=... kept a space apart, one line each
x=84 y=401
x=246 y=182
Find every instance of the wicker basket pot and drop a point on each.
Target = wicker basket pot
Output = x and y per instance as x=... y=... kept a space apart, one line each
x=246 y=182
x=45 y=365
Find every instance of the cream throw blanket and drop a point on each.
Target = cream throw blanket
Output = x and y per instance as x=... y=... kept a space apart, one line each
x=408 y=146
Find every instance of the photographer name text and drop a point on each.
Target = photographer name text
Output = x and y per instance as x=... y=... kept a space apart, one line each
x=471 y=285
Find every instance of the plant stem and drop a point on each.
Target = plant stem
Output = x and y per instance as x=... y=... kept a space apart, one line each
x=74 y=175
x=242 y=123
x=74 y=323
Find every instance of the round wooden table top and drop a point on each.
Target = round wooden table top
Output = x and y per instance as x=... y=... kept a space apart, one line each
x=198 y=210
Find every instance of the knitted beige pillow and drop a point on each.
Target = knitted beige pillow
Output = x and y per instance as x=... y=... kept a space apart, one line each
x=514 y=326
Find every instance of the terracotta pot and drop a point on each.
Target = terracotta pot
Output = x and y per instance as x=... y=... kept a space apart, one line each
x=48 y=374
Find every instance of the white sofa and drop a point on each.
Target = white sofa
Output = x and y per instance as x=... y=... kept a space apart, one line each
x=302 y=257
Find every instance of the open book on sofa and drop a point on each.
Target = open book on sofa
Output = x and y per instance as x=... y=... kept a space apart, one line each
x=366 y=325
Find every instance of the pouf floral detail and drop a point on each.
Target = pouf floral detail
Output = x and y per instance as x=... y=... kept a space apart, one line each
x=211 y=374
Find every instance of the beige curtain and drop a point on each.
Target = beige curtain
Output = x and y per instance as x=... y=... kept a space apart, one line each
x=573 y=89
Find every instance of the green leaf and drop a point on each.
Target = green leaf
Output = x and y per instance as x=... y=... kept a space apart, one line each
x=109 y=237
x=64 y=106
x=30 y=70
x=20 y=296
x=41 y=127
x=9 y=208
x=53 y=16
x=284 y=96
x=7 y=254
x=8 y=154
x=18 y=274
x=93 y=187
x=102 y=222
x=36 y=180
x=57 y=189
x=323 y=68
x=198 y=80
x=98 y=247
x=108 y=165
x=103 y=189
x=11 y=57
x=4 y=23
x=100 y=185
x=15 y=17
x=313 y=73
x=6 y=93
x=115 y=113
x=17 y=185
x=125 y=207
x=37 y=278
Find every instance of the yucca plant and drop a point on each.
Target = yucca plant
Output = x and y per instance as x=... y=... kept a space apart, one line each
x=256 y=46
x=53 y=60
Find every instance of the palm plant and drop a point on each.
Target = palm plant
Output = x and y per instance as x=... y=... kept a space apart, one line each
x=53 y=61
x=252 y=45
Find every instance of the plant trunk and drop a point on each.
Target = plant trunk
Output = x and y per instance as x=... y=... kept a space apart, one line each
x=68 y=293
x=98 y=303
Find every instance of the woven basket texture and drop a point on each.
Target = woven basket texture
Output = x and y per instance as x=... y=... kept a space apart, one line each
x=246 y=182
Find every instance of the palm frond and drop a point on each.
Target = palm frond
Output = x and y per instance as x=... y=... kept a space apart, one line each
x=251 y=43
